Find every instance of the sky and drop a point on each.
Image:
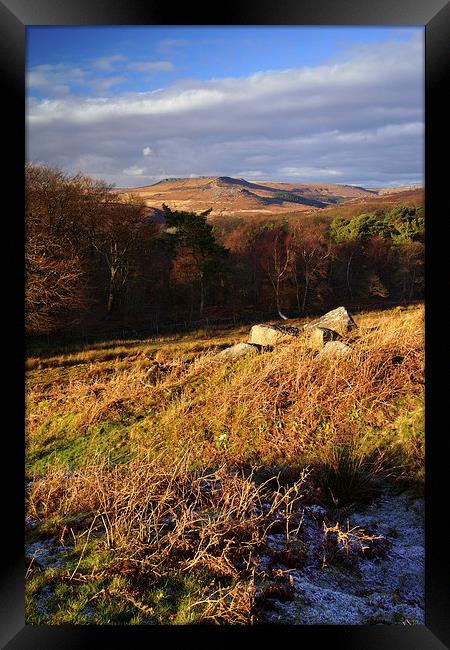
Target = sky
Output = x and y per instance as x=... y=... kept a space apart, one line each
x=134 y=105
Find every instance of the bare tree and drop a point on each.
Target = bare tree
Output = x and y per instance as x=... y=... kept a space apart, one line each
x=72 y=223
x=276 y=260
x=118 y=237
x=55 y=280
x=55 y=287
x=310 y=251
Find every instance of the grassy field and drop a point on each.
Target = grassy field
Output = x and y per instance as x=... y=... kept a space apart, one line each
x=155 y=470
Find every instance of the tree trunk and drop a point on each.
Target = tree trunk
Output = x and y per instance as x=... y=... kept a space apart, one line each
x=202 y=294
x=112 y=291
x=348 y=274
x=305 y=293
x=297 y=291
x=111 y=302
x=280 y=314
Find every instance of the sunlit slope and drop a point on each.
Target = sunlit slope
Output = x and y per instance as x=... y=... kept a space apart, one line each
x=237 y=196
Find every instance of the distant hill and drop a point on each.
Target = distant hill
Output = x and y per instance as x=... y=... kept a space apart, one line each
x=401 y=188
x=238 y=197
x=382 y=201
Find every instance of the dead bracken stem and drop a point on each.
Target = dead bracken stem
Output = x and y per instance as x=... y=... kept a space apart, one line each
x=338 y=541
x=85 y=545
x=162 y=518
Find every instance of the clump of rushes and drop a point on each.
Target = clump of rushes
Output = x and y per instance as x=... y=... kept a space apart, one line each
x=345 y=476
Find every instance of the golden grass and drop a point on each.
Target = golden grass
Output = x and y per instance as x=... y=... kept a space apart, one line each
x=130 y=349
x=273 y=407
x=288 y=403
x=192 y=496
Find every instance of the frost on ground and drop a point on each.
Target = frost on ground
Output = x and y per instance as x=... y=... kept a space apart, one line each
x=366 y=568
x=46 y=553
x=383 y=584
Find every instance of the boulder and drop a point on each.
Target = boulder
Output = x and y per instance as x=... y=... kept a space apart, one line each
x=338 y=320
x=270 y=335
x=334 y=349
x=238 y=350
x=318 y=337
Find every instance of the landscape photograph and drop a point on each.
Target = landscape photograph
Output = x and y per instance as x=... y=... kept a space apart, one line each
x=224 y=313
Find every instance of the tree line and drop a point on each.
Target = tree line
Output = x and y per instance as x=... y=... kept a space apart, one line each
x=94 y=258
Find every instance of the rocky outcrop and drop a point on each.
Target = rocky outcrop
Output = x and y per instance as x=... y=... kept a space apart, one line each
x=334 y=349
x=239 y=350
x=338 y=320
x=323 y=334
x=270 y=335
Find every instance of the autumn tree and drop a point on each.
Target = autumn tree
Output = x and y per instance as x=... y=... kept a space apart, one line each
x=82 y=239
x=55 y=269
x=246 y=276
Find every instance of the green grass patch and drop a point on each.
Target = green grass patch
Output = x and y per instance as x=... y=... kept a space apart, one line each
x=60 y=441
x=88 y=590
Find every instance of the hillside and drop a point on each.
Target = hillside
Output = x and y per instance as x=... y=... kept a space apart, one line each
x=238 y=197
x=382 y=201
x=400 y=188
x=170 y=484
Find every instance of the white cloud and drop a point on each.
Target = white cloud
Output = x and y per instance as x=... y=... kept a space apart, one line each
x=107 y=63
x=134 y=170
x=101 y=85
x=308 y=172
x=84 y=110
x=54 y=80
x=151 y=66
x=356 y=120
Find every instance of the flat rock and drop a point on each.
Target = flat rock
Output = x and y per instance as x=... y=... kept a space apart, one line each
x=338 y=320
x=334 y=349
x=318 y=337
x=238 y=350
x=270 y=335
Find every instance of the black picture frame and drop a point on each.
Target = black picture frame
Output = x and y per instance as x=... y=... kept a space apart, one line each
x=434 y=15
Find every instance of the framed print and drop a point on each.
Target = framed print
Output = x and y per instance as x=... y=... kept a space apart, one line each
x=232 y=422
